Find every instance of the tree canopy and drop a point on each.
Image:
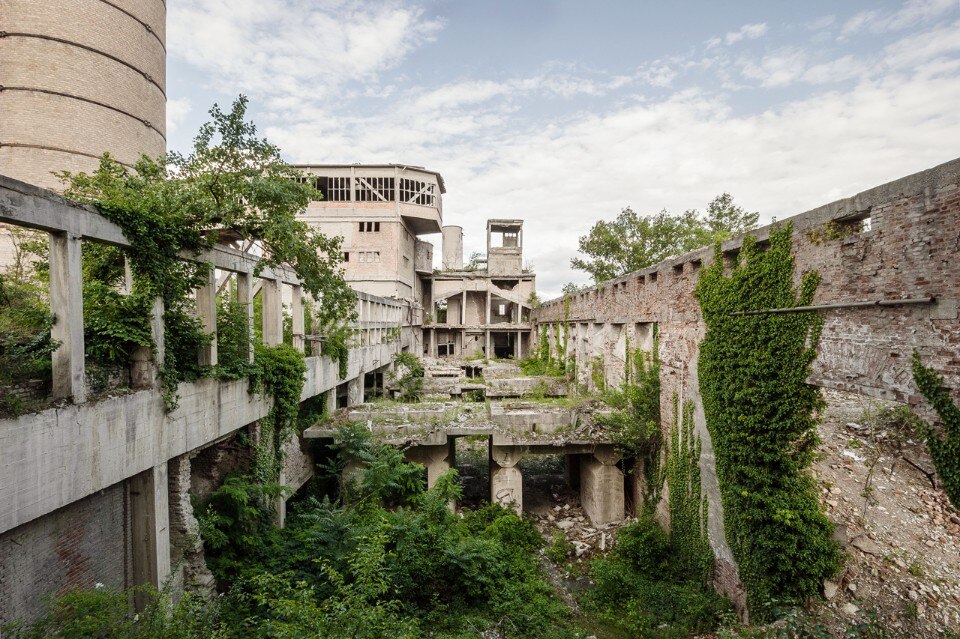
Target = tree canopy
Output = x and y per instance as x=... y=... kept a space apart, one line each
x=632 y=241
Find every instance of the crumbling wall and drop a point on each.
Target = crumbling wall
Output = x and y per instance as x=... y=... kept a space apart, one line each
x=893 y=242
x=77 y=546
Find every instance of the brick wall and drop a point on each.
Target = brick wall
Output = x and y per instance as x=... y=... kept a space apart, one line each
x=77 y=546
x=908 y=252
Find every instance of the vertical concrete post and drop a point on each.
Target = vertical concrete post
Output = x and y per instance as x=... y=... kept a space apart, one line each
x=66 y=304
x=518 y=347
x=433 y=342
x=280 y=515
x=145 y=369
x=296 y=310
x=463 y=308
x=272 y=312
x=207 y=310
x=487 y=310
x=355 y=390
x=330 y=400
x=506 y=481
x=149 y=529
x=487 y=351
x=245 y=297
x=601 y=487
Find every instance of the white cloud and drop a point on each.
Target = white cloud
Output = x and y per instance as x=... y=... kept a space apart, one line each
x=913 y=12
x=862 y=118
x=177 y=111
x=746 y=32
x=294 y=46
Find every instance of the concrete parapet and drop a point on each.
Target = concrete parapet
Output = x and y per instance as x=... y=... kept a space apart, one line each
x=519 y=386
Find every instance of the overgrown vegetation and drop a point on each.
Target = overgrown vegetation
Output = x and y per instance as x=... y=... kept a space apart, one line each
x=388 y=560
x=761 y=413
x=632 y=242
x=944 y=446
x=408 y=374
x=634 y=423
x=232 y=184
x=543 y=362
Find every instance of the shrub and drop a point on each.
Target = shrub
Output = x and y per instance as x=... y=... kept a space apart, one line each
x=945 y=450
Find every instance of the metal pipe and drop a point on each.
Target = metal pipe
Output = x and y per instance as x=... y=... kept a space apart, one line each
x=821 y=307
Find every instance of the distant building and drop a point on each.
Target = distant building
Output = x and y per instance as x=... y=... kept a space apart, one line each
x=380 y=211
x=482 y=310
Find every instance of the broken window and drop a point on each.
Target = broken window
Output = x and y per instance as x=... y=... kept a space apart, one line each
x=369 y=227
x=371 y=189
x=369 y=257
x=416 y=192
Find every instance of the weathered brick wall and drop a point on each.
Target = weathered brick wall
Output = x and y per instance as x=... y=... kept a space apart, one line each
x=908 y=252
x=77 y=546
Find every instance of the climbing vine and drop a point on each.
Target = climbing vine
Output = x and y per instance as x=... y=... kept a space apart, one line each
x=761 y=414
x=232 y=184
x=688 y=504
x=280 y=372
x=945 y=451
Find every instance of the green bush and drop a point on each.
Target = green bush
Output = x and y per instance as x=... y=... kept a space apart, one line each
x=408 y=373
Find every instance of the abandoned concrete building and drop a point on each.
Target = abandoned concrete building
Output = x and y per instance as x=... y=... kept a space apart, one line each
x=100 y=488
x=483 y=310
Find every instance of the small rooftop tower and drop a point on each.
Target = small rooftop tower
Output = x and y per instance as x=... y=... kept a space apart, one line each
x=505 y=247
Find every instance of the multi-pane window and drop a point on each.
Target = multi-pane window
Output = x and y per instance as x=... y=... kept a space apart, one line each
x=415 y=192
x=332 y=189
x=369 y=257
x=369 y=227
x=373 y=189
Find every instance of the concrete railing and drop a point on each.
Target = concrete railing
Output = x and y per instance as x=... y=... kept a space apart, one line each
x=57 y=456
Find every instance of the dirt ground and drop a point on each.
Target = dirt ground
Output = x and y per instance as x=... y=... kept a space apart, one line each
x=901 y=534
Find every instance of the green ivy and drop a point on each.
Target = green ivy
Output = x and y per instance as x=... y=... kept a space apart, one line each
x=280 y=373
x=761 y=414
x=688 y=503
x=945 y=450
x=634 y=424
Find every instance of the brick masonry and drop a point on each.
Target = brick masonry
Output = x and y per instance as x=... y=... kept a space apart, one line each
x=908 y=252
x=77 y=546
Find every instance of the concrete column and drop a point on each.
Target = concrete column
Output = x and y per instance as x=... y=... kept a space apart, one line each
x=433 y=342
x=487 y=351
x=355 y=390
x=66 y=304
x=272 y=312
x=207 y=311
x=436 y=459
x=330 y=399
x=149 y=529
x=296 y=310
x=463 y=308
x=489 y=301
x=506 y=481
x=145 y=369
x=518 y=346
x=280 y=508
x=601 y=487
x=245 y=297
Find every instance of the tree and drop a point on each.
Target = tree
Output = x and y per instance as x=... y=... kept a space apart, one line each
x=632 y=242
x=232 y=184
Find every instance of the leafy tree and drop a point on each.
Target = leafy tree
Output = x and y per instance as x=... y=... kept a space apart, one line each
x=632 y=241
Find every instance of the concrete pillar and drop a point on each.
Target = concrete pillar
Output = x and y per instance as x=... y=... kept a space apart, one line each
x=463 y=308
x=296 y=311
x=518 y=346
x=436 y=459
x=145 y=369
x=186 y=547
x=207 y=311
x=433 y=342
x=506 y=481
x=330 y=400
x=489 y=302
x=601 y=487
x=66 y=304
x=280 y=507
x=272 y=313
x=245 y=297
x=149 y=530
x=355 y=390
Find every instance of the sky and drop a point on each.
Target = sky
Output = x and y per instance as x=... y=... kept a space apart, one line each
x=563 y=113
